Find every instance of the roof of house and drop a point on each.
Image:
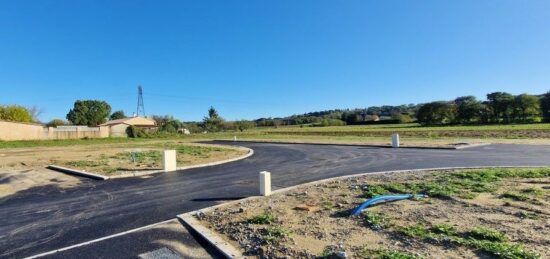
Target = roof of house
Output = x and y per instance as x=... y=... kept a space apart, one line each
x=135 y=121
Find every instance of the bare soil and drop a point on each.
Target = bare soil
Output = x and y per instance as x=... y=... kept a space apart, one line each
x=316 y=219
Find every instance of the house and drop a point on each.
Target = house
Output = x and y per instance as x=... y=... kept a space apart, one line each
x=117 y=128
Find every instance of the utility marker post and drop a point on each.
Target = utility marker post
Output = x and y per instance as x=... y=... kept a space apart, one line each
x=169 y=160
x=265 y=183
x=395 y=140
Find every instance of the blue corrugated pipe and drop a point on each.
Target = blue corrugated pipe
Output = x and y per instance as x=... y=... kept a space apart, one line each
x=384 y=198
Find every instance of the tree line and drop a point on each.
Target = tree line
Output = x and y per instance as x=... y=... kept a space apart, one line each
x=498 y=108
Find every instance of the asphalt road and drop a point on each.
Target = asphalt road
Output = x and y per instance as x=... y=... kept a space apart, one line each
x=47 y=218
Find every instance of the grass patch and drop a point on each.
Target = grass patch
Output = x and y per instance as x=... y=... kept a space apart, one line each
x=390 y=254
x=376 y=220
x=487 y=240
x=464 y=184
x=264 y=219
x=87 y=163
x=481 y=233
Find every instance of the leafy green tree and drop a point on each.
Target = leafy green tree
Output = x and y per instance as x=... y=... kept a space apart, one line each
x=15 y=113
x=527 y=108
x=213 y=123
x=117 y=115
x=56 y=122
x=501 y=105
x=243 y=125
x=545 y=106
x=89 y=112
x=167 y=123
x=436 y=113
x=468 y=109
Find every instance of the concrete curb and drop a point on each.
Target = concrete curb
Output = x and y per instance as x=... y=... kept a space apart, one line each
x=136 y=174
x=227 y=249
x=224 y=247
x=77 y=172
x=354 y=145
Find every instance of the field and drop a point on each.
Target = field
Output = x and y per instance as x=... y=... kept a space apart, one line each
x=411 y=134
x=480 y=213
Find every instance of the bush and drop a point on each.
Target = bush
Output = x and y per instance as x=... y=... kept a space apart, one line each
x=15 y=113
x=56 y=122
x=135 y=132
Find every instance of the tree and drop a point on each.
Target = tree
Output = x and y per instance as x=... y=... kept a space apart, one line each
x=56 y=122
x=117 y=115
x=545 y=106
x=15 y=113
x=501 y=105
x=167 y=123
x=436 y=113
x=35 y=112
x=213 y=122
x=89 y=112
x=526 y=107
x=243 y=125
x=468 y=109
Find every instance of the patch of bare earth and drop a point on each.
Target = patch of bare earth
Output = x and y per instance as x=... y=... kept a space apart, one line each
x=316 y=219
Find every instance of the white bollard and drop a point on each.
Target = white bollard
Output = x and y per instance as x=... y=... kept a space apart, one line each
x=235 y=138
x=395 y=140
x=169 y=160
x=265 y=183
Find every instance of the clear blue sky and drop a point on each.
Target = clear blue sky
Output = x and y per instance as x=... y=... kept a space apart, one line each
x=252 y=59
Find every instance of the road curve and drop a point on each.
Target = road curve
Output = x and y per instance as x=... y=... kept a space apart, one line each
x=47 y=218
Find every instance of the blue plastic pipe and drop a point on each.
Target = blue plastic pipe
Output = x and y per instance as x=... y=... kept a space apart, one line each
x=383 y=198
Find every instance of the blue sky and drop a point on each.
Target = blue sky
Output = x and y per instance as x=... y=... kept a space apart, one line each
x=253 y=59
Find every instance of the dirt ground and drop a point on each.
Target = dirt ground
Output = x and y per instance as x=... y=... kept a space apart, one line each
x=315 y=221
x=24 y=168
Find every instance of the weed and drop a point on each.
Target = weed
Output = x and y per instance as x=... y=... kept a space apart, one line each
x=377 y=220
x=481 y=233
x=86 y=163
x=533 y=191
x=385 y=254
x=502 y=250
x=274 y=234
x=416 y=230
x=263 y=219
x=327 y=204
x=374 y=190
x=444 y=229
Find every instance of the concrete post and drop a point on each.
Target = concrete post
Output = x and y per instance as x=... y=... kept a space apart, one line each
x=265 y=183
x=395 y=140
x=235 y=138
x=169 y=160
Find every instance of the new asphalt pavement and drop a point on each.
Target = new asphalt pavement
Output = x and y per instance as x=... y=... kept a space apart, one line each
x=47 y=218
